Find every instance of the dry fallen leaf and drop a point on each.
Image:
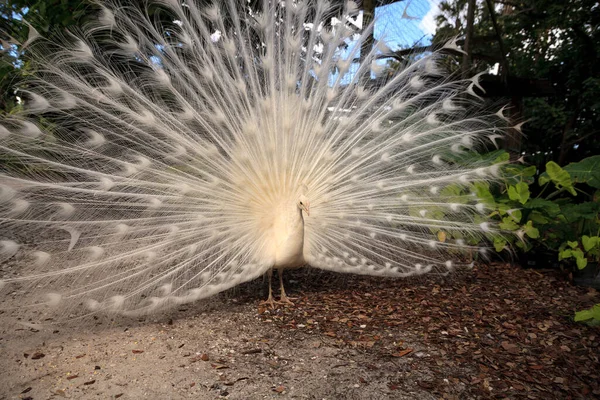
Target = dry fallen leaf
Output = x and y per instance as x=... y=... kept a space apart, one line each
x=511 y=348
x=402 y=353
x=496 y=321
x=279 y=389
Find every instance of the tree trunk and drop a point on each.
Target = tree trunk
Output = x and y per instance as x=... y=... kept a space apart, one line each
x=565 y=146
x=466 y=64
x=368 y=7
x=514 y=139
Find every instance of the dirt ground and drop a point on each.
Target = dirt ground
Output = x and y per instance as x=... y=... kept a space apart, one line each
x=493 y=332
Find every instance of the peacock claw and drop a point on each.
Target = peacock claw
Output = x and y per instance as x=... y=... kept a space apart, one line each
x=269 y=302
x=287 y=300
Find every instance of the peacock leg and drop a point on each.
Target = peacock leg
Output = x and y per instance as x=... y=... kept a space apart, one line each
x=284 y=298
x=269 y=301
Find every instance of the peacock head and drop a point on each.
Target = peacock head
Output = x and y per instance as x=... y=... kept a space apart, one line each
x=303 y=204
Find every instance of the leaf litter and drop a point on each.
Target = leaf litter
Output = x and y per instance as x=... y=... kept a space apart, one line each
x=497 y=331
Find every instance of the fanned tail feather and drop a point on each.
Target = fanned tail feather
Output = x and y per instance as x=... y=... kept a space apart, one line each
x=164 y=146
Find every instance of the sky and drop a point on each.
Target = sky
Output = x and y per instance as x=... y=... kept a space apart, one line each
x=405 y=23
x=400 y=25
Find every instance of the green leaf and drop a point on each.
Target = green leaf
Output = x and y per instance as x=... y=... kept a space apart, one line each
x=538 y=218
x=499 y=244
x=504 y=157
x=589 y=314
x=560 y=177
x=503 y=208
x=529 y=171
x=508 y=224
x=530 y=231
x=590 y=242
x=451 y=190
x=586 y=171
x=482 y=190
x=572 y=244
x=516 y=215
x=580 y=258
x=519 y=192
x=576 y=212
x=566 y=253
x=549 y=207
x=515 y=173
x=455 y=194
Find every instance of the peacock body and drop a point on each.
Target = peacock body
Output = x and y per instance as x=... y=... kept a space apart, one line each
x=157 y=163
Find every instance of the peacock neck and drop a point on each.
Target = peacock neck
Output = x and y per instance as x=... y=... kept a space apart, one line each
x=292 y=219
x=288 y=236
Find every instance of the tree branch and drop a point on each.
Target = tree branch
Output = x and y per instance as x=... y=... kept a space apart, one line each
x=499 y=38
x=466 y=64
x=572 y=142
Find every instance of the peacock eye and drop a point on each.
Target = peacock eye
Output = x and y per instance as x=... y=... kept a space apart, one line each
x=301 y=203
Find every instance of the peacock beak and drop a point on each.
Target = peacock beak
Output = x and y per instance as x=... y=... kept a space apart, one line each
x=306 y=209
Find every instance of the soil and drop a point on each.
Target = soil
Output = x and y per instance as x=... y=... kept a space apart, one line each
x=497 y=331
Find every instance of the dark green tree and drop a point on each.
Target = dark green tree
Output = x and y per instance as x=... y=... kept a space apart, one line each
x=49 y=18
x=541 y=40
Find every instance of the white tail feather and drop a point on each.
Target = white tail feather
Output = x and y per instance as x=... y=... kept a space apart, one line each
x=174 y=155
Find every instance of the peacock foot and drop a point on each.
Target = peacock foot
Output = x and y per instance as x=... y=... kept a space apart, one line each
x=284 y=300
x=269 y=302
x=287 y=300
